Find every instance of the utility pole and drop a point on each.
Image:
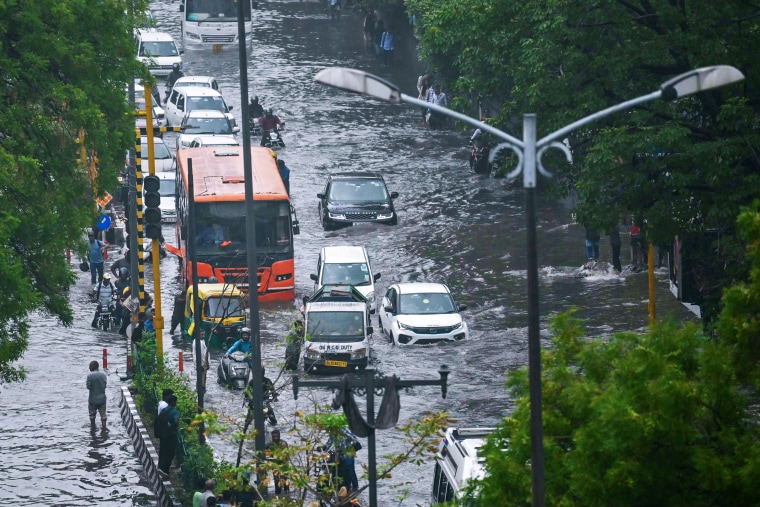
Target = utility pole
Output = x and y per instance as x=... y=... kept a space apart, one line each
x=200 y=373
x=369 y=384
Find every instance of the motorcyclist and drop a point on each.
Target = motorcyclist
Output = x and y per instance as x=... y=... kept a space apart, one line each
x=103 y=295
x=243 y=345
x=269 y=122
x=175 y=74
x=255 y=110
x=121 y=263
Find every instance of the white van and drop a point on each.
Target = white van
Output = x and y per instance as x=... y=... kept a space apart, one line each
x=457 y=462
x=157 y=51
x=190 y=98
x=346 y=265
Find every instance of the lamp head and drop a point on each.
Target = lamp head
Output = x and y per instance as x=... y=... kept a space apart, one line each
x=699 y=80
x=358 y=81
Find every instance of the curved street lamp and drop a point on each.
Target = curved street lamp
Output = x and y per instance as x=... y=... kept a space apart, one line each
x=529 y=152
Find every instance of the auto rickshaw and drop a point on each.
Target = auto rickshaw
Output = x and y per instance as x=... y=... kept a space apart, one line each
x=222 y=313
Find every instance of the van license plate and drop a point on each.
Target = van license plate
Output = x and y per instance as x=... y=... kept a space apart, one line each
x=339 y=364
x=217 y=47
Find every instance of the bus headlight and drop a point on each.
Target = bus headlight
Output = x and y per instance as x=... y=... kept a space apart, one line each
x=192 y=35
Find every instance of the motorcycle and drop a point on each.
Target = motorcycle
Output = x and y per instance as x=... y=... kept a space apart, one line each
x=272 y=139
x=233 y=371
x=253 y=126
x=114 y=311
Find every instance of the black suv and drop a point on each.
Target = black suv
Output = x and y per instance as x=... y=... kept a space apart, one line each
x=356 y=197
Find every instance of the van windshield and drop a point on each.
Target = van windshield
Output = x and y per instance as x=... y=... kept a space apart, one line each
x=215 y=103
x=356 y=273
x=335 y=326
x=158 y=48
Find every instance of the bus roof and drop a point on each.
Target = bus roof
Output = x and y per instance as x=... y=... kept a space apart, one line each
x=218 y=173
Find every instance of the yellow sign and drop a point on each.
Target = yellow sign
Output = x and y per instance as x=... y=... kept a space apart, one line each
x=103 y=201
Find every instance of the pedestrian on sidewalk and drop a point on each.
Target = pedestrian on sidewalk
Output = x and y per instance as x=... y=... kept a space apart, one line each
x=96 y=384
x=168 y=440
x=592 y=244
x=387 y=44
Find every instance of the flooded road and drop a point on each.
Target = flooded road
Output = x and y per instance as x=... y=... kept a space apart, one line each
x=454 y=227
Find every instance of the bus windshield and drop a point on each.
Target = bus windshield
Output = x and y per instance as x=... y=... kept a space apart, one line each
x=220 y=228
x=218 y=11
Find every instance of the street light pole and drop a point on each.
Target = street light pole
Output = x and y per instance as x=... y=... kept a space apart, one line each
x=529 y=152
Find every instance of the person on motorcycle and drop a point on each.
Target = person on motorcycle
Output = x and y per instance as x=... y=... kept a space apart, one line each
x=243 y=345
x=268 y=122
x=255 y=110
x=175 y=74
x=103 y=295
x=117 y=266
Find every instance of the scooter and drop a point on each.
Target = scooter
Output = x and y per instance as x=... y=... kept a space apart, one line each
x=272 y=139
x=233 y=371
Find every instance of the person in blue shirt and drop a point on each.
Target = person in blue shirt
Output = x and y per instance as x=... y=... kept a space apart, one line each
x=284 y=174
x=210 y=235
x=95 y=249
x=243 y=344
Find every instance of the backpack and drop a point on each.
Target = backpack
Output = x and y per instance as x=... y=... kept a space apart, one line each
x=161 y=424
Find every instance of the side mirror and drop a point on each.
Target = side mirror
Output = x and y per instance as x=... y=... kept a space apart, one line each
x=181 y=7
x=388 y=308
x=183 y=232
x=462 y=308
x=235 y=130
x=313 y=277
x=229 y=108
x=370 y=330
x=394 y=195
x=376 y=277
x=321 y=195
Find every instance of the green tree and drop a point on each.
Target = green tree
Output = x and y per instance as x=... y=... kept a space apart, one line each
x=684 y=167
x=643 y=419
x=65 y=65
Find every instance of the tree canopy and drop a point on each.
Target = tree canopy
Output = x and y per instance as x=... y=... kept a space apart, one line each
x=64 y=69
x=685 y=168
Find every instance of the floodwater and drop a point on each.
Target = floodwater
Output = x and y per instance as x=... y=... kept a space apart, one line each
x=454 y=227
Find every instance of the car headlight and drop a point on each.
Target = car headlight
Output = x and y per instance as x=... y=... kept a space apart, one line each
x=312 y=354
x=371 y=297
x=338 y=216
x=191 y=35
x=405 y=326
x=385 y=216
x=457 y=325
x=358 y=354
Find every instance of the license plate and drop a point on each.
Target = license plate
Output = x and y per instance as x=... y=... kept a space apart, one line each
x=338 y=364
x=217 y=47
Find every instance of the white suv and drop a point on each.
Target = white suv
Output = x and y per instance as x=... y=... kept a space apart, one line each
x=185 y=99
x=205 y=122
x=346 y=265
x=157 y=51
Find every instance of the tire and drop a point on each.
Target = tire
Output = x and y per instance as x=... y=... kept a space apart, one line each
x=104 y=323
x=326 y=224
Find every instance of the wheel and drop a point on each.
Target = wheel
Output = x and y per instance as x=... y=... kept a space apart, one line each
x=105 y=323
x=326 y=224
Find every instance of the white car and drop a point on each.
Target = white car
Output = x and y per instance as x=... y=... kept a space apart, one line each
x=204 y=122
x=202 y=81
x=162 y=158
x=157 y=51
x=421 y=313
x=213 y=140
x=168 y=193
x=185 y=99
x=346 y=265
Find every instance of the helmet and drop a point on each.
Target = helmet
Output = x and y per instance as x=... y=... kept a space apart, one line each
x=255 y=99
x=269 y=111
x=123 y=272
x=175 y=66
x=245 y=330
x=107 y=276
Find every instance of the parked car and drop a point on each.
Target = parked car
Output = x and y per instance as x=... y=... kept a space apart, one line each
x=415 y=313
x=346 y=265
x=157 y=51
x=204 y=122
x=354 y=197
x=186 y=99
x=213 y=140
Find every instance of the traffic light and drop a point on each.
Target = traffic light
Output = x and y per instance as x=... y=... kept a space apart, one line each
x=152 y=212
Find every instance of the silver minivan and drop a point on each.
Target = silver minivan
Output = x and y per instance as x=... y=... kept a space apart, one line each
x=346 y=265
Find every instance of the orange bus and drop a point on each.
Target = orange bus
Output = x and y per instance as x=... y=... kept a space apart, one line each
x=220 y=242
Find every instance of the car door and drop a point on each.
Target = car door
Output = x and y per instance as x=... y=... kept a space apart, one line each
x=387 y=318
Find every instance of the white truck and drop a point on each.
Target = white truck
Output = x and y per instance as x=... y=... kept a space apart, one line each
x=337 y=330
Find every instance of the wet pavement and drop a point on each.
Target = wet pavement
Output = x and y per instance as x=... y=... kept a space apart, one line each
x=454 y=227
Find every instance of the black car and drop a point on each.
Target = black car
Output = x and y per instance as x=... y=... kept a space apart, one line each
x=356 y=197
